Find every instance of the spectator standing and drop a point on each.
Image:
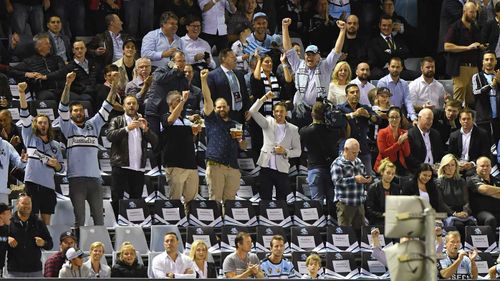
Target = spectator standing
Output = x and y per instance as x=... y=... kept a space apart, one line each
x=84 y=86
x=198 y=52
x=350 y=180
x=44 y=159
x=72 y=14
x=214 y=21
x=425 y=91
x=28 y=235
x=8 y=158
x=60 y=42
x=138 y=17
x=129 y=135
x=5 y=219
x=24 y=12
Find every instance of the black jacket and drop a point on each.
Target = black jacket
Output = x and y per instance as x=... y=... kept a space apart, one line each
x=85 y=83
x=418 y=150
x=165 y=79
x=52 y=66
x=411 y=188
x=489 y=34
x=211 y=271
x=482 y=102
x=479 y=145
x=67 y=46
x=442 y=125
x=136 y=270
x=26 y=256
x=375 y=201
x=118 y=136
x=377 y=55
x=107 y=57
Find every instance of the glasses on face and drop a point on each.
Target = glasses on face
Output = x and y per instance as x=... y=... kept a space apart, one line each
x=394 y=117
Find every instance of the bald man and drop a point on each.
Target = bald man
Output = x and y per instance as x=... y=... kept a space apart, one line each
x=354 y=50
x=463 y=48
x=425 y=142
x=350 y=181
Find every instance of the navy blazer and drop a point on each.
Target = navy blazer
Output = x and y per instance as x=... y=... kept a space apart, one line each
x=418 y=150
x=219 y=88
x=480 y=144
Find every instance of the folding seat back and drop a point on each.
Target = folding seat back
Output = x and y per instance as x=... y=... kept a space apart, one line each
x=151 y=256
x=64 y=213
x=274 y=213
x=483 y=262
x=134 y=235
x=205 y=213
x=331 y=214
x=341 y=239
x=372 y=268
x=239 y=212
x=481 y=238
x=366 y=238
x=265 y=235
x=55 y=232
x=341 y=266
x=47 y=107
x=169 y=212
x=309 y=213
x=299 y=263
x=302 y=191
x=91 y=234
x=134 y=212
x=307 y=238
x=204 y=233
x=158 y=234
x=229 y=233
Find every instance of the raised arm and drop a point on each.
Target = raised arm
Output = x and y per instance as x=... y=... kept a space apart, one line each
x=70 y=77
x=339 y=44
x=114 y=87
x=208 y=103
x=178 y=109
x=287 y=42
x=22 y=95
x=286 y=69
x=256 y=71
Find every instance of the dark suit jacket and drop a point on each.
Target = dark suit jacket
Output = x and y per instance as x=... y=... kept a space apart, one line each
x=85 y=83
x=418 y=150
x=107 y=57
x=441 y=124
x=67 y=45
x=489 y=34
x=219 y=88
x=480 y=144
x=378 y=57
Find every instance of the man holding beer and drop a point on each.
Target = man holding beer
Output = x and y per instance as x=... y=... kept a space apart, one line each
x=179 y=156
x=225 y=136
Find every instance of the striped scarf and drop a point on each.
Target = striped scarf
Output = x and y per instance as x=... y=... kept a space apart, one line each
x=272 y=85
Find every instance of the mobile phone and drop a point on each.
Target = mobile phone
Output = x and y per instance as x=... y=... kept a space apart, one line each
x=366 y=176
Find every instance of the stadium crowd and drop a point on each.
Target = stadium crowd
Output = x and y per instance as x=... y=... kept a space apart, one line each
x=329 y=81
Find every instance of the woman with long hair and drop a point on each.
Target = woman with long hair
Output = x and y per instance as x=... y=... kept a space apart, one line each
x=422 y=184
x=455 y=194
x=199 y=255
x=341 y=76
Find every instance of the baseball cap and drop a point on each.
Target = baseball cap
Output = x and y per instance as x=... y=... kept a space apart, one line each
x=4 y=207
x=384 y=90
x=129 y=40
x=259 y=15
x=312 y=49
x=67 y=234
x=73 y=253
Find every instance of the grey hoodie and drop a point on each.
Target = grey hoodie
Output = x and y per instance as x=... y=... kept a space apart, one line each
x=69 y=271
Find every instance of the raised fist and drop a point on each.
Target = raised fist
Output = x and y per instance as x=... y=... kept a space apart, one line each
x=22 y=87
x=286 y=22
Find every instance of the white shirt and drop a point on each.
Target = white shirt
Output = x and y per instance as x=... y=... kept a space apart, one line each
x=193 y=47
x=336 y=93
x=163 y=264
x=424 y=195
x=465 y=144
x=279 y=135
x=203 y=274
x=429 y=159
x=363 y=90
x=422 y=93
x=214 y=20
x=228 y=80
x=134 y=147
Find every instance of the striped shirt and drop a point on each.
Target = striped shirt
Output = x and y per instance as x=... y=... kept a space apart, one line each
x=38 y=153
x=82 y=145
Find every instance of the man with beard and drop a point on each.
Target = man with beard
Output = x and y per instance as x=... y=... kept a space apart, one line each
x=398 y=87
x=362 y=73
x=463 y=47
x=55 y=262
x=83 y=173
x=28 y=235
x=457 y=264
x=259 y=36
x=223 y=174
x=129 y=135
x=486 y=90
x=425 y=91
x=44 y=159
x=312 y=75
x=446 y=121
x=354 y=51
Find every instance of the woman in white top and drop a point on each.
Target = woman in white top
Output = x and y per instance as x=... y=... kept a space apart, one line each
x=97 y=269
x=199 y=255
x=423 y=185
x=341 y=76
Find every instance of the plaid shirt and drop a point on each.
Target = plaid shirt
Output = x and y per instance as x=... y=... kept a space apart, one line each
x=53 y=264
x=346 y=189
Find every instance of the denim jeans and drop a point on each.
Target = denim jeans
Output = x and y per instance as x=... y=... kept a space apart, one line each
x=22 y=13
x=72 y=14
x=320 y=184
x=138 y=17
x=367 y=161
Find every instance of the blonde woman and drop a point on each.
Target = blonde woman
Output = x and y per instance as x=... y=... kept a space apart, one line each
x=455 y=194
x=127 y=265
x=97 y=269
x=341 y=76
x=375 y=199
x=199 y=255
